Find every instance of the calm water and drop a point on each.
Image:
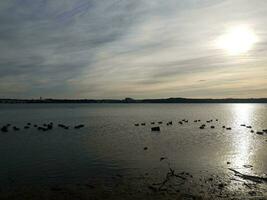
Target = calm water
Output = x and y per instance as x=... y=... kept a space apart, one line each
x=111 y=144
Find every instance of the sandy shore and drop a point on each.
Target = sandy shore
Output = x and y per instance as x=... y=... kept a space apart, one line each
x=175 y=185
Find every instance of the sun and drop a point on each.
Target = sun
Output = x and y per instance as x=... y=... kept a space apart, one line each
x=237 y=40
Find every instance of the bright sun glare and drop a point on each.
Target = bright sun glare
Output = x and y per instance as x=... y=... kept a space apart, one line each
x=237 y=40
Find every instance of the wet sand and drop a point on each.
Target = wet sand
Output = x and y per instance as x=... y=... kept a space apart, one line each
x=175 y=185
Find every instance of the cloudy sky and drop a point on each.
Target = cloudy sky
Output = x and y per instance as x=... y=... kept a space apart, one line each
x=133 y=48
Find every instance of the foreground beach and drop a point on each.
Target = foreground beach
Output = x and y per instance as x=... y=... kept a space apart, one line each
x=182 y=186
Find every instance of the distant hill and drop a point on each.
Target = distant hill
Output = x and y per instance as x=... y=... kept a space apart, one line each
x=130 y=100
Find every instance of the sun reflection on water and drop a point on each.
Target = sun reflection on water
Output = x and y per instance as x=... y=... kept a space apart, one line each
x=242 y=139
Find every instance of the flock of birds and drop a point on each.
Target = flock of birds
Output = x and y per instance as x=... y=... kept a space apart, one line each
x=252 y=131
x=43 y=127
x=202 y=126
x=50 y=126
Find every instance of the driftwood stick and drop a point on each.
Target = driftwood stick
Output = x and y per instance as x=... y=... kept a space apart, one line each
x=257 y=179
x=165 y=181
x=181 y=177
x=170 y=174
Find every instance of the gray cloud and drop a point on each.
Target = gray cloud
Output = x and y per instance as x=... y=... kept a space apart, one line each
x=118 y=48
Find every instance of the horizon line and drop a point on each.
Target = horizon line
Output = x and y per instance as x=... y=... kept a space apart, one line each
x=130 y=98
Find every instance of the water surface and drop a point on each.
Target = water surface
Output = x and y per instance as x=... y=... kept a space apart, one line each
x=110 y=144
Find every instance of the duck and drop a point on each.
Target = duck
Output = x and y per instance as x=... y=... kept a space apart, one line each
x=156 y=128
x=15 y=128
x=79 y=126
x=4 y=129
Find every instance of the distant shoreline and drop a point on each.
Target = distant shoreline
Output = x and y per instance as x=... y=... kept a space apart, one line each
x=130 y=100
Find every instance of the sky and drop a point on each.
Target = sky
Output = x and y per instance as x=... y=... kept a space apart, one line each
x=133 y=48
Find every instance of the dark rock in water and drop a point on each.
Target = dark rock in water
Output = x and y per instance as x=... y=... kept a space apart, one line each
x=228 y=163
x=259 y=133
x=15 y=128
x=217 y=120
x=143 y=124
x=35 y=125
x=229 y=128
x=264 y=130
x=248 y=126
x=211 y=179
x=152 y=123
x=156 y=128
x=159 y=122
x=145 y=148
x=243 y=125
x=4 y=129
x=195 y=120
x=180 y=122
x=223 y=126
x=221 y=185
x=212 y=127
x=136 y=124
x=79 y=126
x=26 y=127
x=252 y=131
x=29 y=124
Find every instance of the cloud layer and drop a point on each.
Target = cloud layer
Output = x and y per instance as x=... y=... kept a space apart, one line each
x=119 y=48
